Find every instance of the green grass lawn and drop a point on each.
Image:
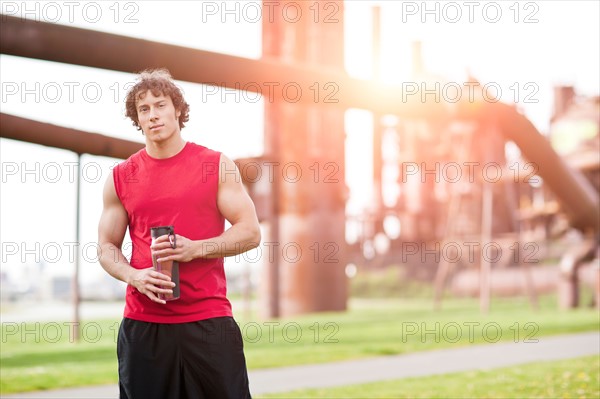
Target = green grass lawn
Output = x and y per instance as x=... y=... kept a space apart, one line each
x=573 y=378
x=40 y=356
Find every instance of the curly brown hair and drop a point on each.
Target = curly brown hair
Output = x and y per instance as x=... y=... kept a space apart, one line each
x=159 y=82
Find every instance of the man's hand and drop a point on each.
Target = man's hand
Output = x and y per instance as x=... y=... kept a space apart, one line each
x=148 y=282
x=184 y=250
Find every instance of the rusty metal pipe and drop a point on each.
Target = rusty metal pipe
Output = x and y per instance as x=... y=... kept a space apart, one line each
x=575 y=193
x=59 y=43
x=80 y=142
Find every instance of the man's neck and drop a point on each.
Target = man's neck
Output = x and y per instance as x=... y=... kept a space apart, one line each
x=162 y=150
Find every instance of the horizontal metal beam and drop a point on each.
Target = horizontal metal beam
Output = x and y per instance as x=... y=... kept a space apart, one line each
x=17 y=128
x=276 y=81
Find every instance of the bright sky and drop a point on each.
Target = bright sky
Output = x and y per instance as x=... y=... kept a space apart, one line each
x=531 y=47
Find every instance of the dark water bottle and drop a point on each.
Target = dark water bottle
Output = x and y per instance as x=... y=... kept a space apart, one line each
x=169 y=268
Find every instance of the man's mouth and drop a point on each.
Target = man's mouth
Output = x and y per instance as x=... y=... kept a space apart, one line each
x=153 y=127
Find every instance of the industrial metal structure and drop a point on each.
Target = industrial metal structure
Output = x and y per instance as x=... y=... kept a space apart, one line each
x=306 y=214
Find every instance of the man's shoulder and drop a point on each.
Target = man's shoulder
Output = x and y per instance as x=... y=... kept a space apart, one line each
x=201 y=150
x=130 y=162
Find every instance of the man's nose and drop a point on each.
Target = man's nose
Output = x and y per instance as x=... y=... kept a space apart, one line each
x=153 y=113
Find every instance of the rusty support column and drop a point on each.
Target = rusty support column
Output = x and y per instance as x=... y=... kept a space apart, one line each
x=485 y=271
x=377 y=128
x=306 y=142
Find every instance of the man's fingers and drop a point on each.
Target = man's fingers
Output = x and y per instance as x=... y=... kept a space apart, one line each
x=161 y=243
x=159 y=276
x=164 y=254
x=158 y=287
x=160 y=246
x=166 y=258
x=152 y=291
x=154 y=298
x=151 y=283
x=160 y=283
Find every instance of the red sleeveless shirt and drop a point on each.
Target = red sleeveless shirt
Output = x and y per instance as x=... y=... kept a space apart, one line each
x=179 y=191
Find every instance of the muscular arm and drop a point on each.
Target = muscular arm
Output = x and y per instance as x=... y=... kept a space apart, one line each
x=236 y=206
x=111 y=231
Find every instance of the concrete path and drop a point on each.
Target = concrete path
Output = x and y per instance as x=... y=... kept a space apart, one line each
x=475 y=357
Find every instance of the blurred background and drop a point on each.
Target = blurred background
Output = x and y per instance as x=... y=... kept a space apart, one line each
x=442 y=153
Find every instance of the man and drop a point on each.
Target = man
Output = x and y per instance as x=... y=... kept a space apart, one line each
x=190 y=347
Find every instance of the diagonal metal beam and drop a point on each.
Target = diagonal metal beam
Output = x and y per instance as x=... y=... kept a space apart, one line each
x=276 y=81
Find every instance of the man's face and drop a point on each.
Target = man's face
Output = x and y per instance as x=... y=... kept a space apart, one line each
x=157 y=116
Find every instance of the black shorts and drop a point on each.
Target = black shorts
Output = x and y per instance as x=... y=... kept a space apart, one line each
x=203 y=359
